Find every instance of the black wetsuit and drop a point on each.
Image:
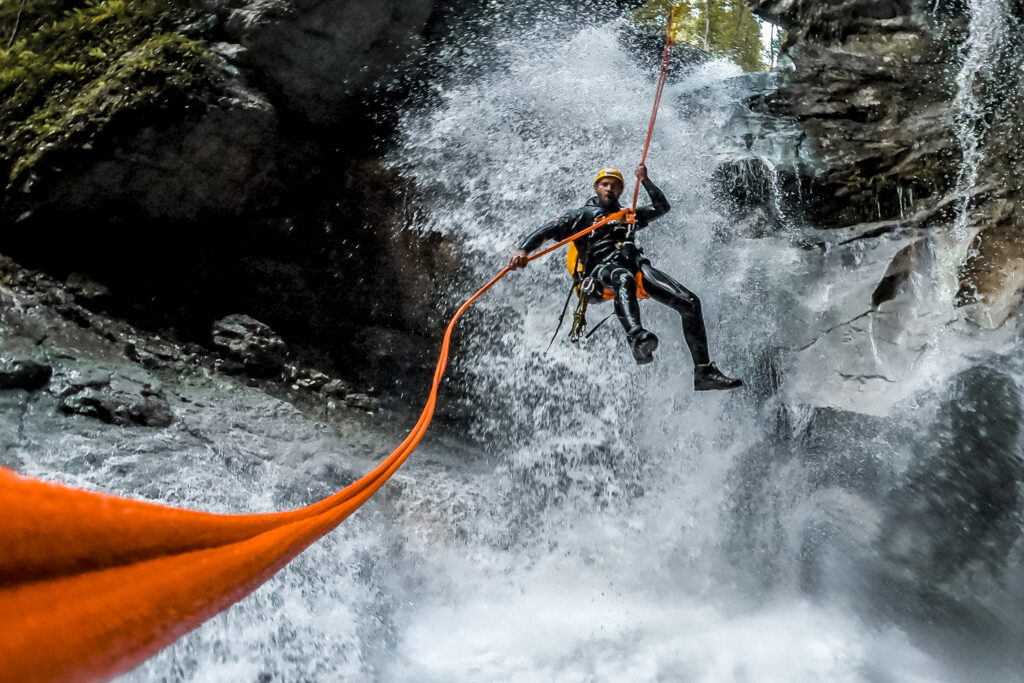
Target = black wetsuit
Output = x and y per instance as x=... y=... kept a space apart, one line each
x=610 y=255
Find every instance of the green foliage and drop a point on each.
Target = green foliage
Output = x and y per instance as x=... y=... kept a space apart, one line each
x=722 y=27
x=75 y=63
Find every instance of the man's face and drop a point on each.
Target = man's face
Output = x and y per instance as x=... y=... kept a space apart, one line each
x=608 y=190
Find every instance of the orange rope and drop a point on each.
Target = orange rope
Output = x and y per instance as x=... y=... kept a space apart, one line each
x=666 y=58
x=93 y=584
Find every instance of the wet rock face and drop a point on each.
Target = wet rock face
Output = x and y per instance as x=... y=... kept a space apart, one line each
x=218 y=159
x=118 y=398
x=204 y=140
x=316 y=54
x=254 y=187
x=912 y=119
x=870 y=87
x=958 y=505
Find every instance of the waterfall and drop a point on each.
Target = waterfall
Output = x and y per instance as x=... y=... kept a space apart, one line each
x=592 y=520
x=981 y=54
x=652 y=533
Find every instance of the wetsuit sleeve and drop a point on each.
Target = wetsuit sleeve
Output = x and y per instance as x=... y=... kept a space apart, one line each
x=558 y=229
x=659 y=205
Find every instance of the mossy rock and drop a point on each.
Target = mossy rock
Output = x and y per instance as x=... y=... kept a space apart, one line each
x=73 y=67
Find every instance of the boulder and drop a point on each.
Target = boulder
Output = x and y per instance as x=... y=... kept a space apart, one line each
x=363 y=402
x=336 y=388
x=128 y=398
x=958 y=505
x=251 y=343
x=153 y=353
x=23 y=373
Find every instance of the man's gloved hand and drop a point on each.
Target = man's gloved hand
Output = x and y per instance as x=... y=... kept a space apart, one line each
x=519 y=259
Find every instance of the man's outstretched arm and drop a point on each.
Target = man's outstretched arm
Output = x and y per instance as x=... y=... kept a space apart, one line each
x=558 y=229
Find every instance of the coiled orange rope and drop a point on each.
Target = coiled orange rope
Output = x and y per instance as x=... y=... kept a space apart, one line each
x=92 y=584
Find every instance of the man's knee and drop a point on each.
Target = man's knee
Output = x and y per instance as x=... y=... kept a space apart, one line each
x=623 y=278
x=687 y=304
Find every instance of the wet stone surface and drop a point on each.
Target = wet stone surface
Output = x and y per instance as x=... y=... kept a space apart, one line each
x=120 y=398
x=250 y=343
x=23 y=373
x=61 y=360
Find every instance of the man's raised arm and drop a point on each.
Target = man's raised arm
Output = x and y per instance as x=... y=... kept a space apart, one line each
x=659 y=203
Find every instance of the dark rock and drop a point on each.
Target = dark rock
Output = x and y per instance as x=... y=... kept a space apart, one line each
x=992 y=274
x=959 y=502
x=318 y=54
x=908 y=111
x=873 y=102
x=251 y=343
x=311 y=380
x=363 y=402
x=86 y=290
x=156 y=353
x=70 y=381
x=21 y=373
x=228 y=163
x=757 y=193
x=119 y=409
x=220 y=163
x=337 y=388
x=115 y=398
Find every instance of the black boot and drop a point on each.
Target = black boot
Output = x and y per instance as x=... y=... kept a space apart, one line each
x=643 y=344
x=707 y=377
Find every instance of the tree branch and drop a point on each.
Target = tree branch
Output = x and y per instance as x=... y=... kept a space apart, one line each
x=17 y=23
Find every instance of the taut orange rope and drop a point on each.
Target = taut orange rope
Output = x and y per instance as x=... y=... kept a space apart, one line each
x=93 y=584
x=666 y=58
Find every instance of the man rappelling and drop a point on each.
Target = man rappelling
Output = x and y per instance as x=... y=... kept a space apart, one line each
x=608 y=260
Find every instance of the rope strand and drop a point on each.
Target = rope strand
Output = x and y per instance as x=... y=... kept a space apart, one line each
x=666 y=58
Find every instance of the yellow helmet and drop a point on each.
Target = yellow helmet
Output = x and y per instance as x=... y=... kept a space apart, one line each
x=609 y=173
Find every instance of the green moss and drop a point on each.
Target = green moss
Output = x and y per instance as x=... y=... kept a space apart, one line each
x=74 y=65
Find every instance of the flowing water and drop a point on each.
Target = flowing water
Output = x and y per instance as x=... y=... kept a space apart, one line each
x=658 y=534
x=989 y=30
x=600 y=521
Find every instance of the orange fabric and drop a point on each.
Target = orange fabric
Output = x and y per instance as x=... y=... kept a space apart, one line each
x=92 y=584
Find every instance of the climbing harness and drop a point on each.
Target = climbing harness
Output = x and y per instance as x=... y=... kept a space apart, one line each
x=92 y=584
x=589 y=287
